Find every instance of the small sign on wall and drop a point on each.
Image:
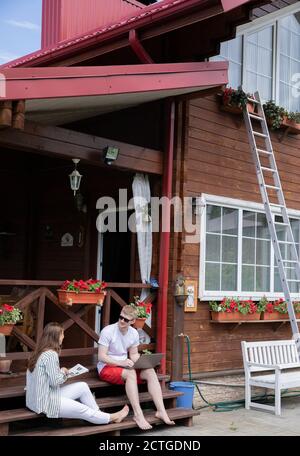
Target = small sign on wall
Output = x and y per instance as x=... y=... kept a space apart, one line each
x=67 y=240
x=190 y=304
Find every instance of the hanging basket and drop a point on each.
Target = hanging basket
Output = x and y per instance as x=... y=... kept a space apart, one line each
x=83 y=297
x=6 y=330
x=139 y=323
x=234 y=316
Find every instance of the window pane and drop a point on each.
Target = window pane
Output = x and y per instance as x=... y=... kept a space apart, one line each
x=232 y=51
x=229 y=249
x=280 y=230
x=262 y=227
x=262 y=279
x=263 y=252
x=295 y=229
x=248 y=251
x=230 y=221
x=277 y=283
x=213 y=219
x=212 y=276
x=229 y=277
x=213 y=247
x=248 y=224
x=248 y=278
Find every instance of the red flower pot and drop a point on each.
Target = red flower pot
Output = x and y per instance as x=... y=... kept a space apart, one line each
x=274 y=316
x=6 y=330
x=83 y=297
x=139 y=323
x=233 y=316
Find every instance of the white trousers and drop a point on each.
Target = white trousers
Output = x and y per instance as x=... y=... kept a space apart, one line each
x=87 y=409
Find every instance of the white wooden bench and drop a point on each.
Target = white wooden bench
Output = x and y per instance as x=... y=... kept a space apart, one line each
x=281 y=358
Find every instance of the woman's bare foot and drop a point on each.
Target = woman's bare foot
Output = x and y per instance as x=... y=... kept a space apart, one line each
x=142 y=422
x=119 y=416
x=164 y=417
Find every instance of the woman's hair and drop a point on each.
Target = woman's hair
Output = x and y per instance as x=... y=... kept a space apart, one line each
x=49 y=341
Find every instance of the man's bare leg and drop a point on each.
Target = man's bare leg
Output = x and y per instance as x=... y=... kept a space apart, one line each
x=155 y=390
x=129 y=375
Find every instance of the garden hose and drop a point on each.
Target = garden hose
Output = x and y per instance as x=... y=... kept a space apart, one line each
x=228 y=406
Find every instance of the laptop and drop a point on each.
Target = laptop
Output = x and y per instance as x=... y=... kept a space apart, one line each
x=147 y=361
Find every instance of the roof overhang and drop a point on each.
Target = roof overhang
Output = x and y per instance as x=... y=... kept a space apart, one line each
x=57 y=96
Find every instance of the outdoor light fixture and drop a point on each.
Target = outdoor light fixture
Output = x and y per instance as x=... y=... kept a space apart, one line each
x=110 y=154
x=75 y=177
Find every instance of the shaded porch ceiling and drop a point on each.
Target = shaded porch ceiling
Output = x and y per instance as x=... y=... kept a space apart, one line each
x=56 y=96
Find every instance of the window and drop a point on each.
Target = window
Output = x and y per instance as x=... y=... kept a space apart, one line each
x=265 y=56
x=237 y=257
x=232 y=51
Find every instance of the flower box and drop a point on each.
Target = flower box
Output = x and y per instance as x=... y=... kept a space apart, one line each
x=292 y=125
x=234 y=316
x=6 y=330
x=139 y=323
x=274 y=316
x=82 y=297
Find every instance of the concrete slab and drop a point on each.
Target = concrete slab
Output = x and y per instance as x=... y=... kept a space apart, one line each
x=238 y=422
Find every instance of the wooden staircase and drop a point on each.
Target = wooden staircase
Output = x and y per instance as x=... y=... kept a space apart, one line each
x=16 y=419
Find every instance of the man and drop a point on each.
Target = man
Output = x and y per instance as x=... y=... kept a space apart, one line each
x=118 y=351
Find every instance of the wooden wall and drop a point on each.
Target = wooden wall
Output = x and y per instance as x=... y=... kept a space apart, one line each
x=217 y=160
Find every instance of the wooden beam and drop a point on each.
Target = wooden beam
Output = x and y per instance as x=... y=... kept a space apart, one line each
x=63 y=143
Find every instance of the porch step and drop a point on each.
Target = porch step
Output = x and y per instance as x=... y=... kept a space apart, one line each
x=93 y=382
x=22 y=414
x=176 y=414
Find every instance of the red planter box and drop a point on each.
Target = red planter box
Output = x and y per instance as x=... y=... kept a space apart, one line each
x=233 y=316
x=6 y=330
x=83 y=297
x=139 y=323
x=274 y=316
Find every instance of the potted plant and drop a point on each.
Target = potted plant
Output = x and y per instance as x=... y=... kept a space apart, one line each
x=234 y=309
x=9 y=316
x=276 y=310
x=292 y=122
x=235 y=100
x=82 y=292
x=274 y=114
x=143 y=311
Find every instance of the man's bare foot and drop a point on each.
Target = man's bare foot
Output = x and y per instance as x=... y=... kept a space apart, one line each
x=164 y=417
x=119 y=416
x=142 y=422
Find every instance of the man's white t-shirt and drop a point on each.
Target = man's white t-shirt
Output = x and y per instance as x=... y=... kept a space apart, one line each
x=117 y=342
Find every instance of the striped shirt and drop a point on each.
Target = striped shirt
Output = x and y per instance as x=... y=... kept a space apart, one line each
x=42 y=385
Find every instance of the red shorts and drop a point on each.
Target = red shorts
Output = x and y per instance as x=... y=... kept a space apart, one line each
x=113 y=374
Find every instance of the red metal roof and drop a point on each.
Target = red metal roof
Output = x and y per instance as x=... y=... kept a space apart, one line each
x=65 y=19
x=57 y=95
x=156 y=12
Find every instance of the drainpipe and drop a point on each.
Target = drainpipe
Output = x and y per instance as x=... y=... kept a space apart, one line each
x=138 y=48
x=163 y=278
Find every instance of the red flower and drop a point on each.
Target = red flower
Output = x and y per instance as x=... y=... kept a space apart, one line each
x=8 y=308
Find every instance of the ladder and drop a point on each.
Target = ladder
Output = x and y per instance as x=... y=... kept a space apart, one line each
x=266 y=170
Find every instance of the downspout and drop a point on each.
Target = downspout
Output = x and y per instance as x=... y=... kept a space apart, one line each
x=138 y=48
x=164 y=253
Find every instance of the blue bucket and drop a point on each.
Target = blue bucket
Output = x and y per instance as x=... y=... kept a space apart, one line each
x=187 y=389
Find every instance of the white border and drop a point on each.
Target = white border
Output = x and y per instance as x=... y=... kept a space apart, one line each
x=204 y=295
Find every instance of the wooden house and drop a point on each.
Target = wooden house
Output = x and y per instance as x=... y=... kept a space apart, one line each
x=144 y=80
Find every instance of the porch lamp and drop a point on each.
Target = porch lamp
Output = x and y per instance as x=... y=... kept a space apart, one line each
x=75 y=176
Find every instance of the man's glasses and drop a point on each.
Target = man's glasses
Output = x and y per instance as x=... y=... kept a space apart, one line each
x=125 y=319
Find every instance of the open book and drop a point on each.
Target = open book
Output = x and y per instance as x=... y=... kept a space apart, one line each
x=77 y=370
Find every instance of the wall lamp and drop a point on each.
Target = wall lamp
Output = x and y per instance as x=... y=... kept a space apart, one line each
x=110 y=154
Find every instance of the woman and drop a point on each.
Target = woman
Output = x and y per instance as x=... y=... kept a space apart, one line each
x=44 y=393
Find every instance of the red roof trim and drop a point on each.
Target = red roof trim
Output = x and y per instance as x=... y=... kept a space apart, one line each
x=63 y=82
x=149 y=14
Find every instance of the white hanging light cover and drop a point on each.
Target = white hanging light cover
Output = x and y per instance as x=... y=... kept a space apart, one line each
x=75 y=177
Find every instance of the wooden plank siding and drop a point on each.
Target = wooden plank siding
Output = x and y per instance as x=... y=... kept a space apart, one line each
x=218 y=161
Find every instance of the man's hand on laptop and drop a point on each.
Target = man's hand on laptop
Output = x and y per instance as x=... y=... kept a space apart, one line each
x=128 y=363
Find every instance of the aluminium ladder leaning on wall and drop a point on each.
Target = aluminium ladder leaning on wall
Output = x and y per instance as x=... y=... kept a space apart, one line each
x=266 y=169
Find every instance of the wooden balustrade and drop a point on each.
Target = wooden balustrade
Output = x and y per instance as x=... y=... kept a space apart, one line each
x=42 y=296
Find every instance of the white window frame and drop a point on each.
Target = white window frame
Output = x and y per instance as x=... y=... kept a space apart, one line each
x=257 y=25
x=206 y=295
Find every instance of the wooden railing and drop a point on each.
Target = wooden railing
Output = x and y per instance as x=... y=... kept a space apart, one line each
x=42 y=295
